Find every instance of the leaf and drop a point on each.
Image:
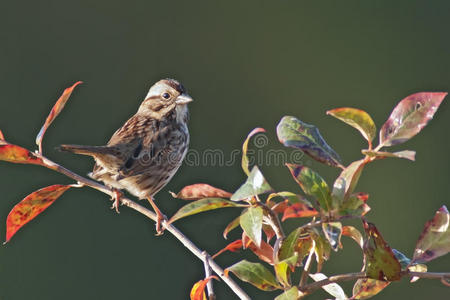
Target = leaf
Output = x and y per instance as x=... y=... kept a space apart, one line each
x=289 y=244
x=251 y=223
x=254 y=273
x=2 y=137
x=354 y=233
x=312 y=184
x=366 y=288
x=245 y=148
x=380 y=261
x=18 y=155
x=417 y=268
x=198 y=290
x=355 y=205
x=291 y=294
x=202 y=205
x=283 y=268
x=232 y=225
x=299 y=210
x=254 y=185
x=347 y=180
x=294 y=133
x=200 y=191
x=57 y=108
x=333 y=232
x=333 y=289
x=356 y=118
x=402 y=258
x=31 y=206
x=406 y=154
x=322 y=249
x=409 y=117
x=434 y=240
x=233 y=247
x=264 y=252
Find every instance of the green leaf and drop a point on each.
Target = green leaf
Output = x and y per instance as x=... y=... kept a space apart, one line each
x=333 y=233
x=380 y=261
x=256 y=274
x=244 y=162
x=435 y=238
x=283 y=268
x=291 y=294
x=322 y=248
x=406 y=154
x=355 y=205
x=256 y=184
x=409 y=117
x=251 y=223
x=356 y=118
x=312 y=184
x=366 y=288
x=232 y=225
x=333 y=289
x=346 y=182
x=294 y=133
x=289 y=244
x=202 y=205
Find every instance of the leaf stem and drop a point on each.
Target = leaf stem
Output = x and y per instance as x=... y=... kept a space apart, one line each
x=151 y=215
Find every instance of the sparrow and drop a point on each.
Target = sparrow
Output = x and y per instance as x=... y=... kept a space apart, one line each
x=144 y=154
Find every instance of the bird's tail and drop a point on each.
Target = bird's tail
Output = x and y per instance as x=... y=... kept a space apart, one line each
x=86 y=150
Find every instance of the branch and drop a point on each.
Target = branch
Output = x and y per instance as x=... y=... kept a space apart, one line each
x=308 y=289
x=209 y=285
x=146 y=212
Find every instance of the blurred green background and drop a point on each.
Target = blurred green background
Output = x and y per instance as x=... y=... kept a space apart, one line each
x=246 y=63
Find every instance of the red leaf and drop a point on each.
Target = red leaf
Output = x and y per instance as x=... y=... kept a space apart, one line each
x=233 y=247
x=298 y=210
x=198 y=290
x=57 y=108
x=200 y=191
x=35 y=203
x=265 y=252
x=19 y=155
x=409 y=117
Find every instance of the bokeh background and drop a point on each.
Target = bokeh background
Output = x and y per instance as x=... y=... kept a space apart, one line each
x=246 y=63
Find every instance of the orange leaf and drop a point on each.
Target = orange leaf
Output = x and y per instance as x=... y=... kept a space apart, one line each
x=35 y=203
x=198 y=290
x=2 y=137
x=265 y=252
x=200 y=191
x=233 y=247
x=17 y=154
x=57 y=108
x=298 y=210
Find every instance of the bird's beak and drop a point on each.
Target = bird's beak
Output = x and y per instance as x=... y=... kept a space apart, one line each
x=183 y=99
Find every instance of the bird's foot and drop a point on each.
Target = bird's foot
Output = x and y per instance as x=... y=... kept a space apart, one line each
x=160 y=217
x=116 y=198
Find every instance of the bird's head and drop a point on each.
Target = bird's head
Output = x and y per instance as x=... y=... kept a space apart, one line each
x=164 y=97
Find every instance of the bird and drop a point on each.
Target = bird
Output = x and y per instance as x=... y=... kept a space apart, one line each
x=144 y=154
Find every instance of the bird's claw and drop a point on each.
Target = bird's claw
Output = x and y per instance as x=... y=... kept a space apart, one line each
x=160 y=229
x=116 y=198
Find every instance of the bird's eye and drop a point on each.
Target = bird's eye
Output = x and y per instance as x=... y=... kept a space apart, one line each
x=166 y=95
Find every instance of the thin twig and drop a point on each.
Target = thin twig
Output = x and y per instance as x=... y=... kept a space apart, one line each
x=146 y=212
x=308 y=289
x=307 y=268
x=209 y=285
